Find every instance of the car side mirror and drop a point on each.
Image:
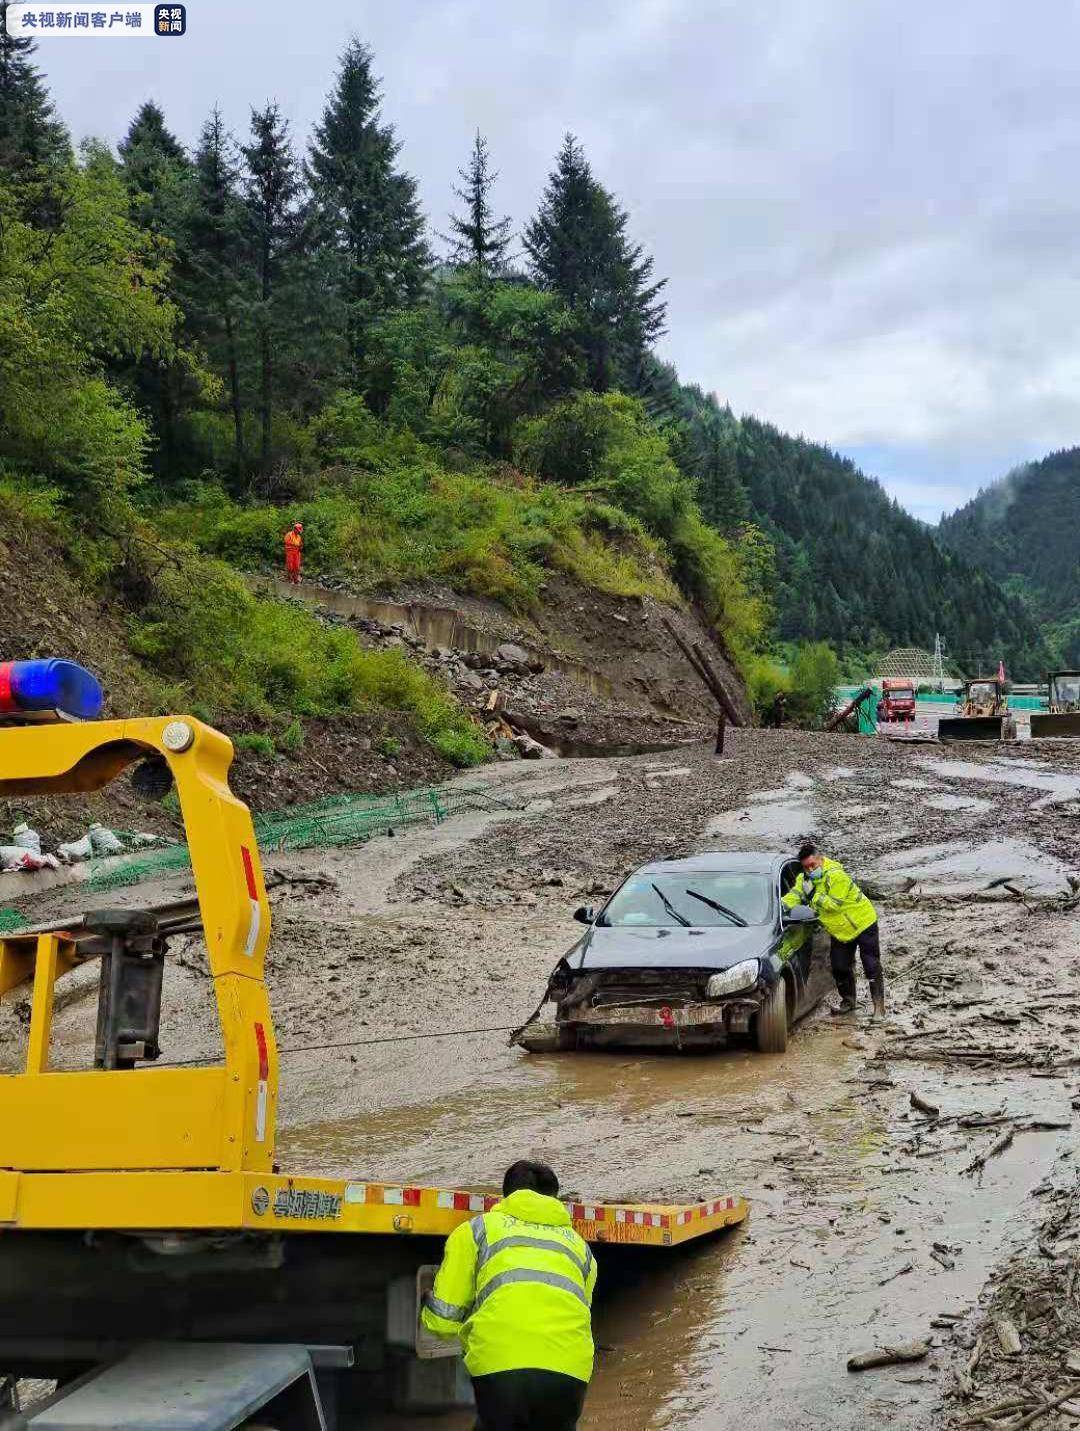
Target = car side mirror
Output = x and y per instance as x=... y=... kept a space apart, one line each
x=585 y=914
x=799 y=914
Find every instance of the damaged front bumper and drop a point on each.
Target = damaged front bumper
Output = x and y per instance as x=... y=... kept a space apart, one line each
x=658 y=1024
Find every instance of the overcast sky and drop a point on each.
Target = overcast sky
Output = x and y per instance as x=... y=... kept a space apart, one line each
x=868 y=211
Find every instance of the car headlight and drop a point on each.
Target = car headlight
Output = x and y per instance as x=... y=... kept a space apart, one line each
x=739 y=976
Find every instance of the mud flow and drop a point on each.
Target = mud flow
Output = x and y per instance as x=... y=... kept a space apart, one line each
x=876 y=1220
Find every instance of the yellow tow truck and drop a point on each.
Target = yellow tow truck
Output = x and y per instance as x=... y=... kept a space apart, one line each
x=155 y=1260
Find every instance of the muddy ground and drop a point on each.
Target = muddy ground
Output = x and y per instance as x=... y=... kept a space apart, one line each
x=872 y=1222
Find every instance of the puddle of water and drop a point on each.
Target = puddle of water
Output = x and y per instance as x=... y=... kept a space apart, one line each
x=762 y=1319
x=782 y=820
x=1057 y=786
x=913 y=784
x=840 y=772
x=957 y=802
x=962 y=870
x=798 y=781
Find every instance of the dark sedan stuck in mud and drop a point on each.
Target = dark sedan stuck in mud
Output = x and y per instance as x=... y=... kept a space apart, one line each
x=686 y=954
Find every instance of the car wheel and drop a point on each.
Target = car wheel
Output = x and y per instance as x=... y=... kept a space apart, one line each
x=772 y=1020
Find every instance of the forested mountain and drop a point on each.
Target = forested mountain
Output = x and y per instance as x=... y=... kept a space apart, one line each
x=198 y=342
x=850 y=565
x=1023 y=530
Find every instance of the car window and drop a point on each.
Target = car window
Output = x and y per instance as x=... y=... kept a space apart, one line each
x=641 y=900
x=788 y=875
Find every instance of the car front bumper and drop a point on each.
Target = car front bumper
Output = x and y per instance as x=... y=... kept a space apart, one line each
x=664 y=1025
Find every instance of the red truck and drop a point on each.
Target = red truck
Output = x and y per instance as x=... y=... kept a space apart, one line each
x=897 y=700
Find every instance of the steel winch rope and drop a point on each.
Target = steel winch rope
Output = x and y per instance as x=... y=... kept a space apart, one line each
x=354 y=1043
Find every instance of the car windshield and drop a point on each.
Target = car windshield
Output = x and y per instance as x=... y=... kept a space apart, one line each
x=900 y=693
x=983 y=692
x=672 y=900
x=1066 y=691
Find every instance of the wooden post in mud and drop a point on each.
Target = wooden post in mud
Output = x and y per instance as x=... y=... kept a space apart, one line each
x=721 y=727
x=727 y=705
x=699 y=663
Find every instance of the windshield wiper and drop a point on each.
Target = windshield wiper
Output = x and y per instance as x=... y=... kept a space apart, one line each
x=720 y=908
x=671 y=908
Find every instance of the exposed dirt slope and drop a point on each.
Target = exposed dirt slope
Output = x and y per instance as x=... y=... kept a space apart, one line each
x=585 y=674
x=45 y=611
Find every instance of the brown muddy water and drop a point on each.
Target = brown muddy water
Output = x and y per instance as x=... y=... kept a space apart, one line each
x=850 y=1187
x=866 y=1223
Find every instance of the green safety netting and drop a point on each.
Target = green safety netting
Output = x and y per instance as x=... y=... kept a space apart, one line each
x=336 y=820
x=11 y=920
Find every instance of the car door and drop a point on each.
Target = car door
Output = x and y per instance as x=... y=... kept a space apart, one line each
x=796 y=948
x=819 y=977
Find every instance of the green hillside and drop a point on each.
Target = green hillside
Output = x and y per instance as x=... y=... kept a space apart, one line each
x=850 y=566
x=200 y=344
x=1023 y=531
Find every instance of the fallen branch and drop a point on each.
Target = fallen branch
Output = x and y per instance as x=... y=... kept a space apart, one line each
x=1016 y=1403
x=977 y=1164
x=1042 y=1410
x=921 y=1106
x=889 y=1356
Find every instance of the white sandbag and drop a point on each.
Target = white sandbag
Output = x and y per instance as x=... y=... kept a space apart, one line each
x=104 y=841
x=76 y=850
x=27 y=839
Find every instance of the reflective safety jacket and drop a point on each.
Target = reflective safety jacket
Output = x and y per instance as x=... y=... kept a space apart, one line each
x=516 y=1285
x=844 y=911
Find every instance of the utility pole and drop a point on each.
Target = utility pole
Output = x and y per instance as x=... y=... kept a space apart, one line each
x=939 y=663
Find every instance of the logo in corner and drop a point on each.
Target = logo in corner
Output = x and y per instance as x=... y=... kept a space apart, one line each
x=260 y=1201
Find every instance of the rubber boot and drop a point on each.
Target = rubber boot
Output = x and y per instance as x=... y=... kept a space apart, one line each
x=877 y=993
x=845 y=1006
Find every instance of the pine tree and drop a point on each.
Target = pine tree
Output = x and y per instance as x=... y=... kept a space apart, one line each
x=578 y=248
x=366 y=209
x=479 y=241
x=157 y=174
x=215 y=258
x=154 y=162
x=34 y=145
x=272 y=191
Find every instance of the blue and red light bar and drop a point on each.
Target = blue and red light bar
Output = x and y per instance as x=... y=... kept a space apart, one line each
x=33 y=687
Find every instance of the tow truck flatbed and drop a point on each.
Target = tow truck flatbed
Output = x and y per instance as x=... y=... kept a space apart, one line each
x=214 y=1202
x=144 y=1202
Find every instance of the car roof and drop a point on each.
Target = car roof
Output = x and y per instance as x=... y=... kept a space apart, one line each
x=737 y=861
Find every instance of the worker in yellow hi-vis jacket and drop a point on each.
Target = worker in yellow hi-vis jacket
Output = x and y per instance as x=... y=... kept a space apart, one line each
x=516 y=1285
x=849 y=919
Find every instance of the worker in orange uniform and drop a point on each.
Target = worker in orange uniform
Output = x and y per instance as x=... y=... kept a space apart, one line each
x=516 y=1288
x=294 y=553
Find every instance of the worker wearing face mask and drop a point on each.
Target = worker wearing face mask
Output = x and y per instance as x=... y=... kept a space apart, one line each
x=849 y=919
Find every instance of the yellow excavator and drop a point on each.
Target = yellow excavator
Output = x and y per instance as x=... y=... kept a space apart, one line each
x=156 y=1262
x=1062 y=716
x=982 y=713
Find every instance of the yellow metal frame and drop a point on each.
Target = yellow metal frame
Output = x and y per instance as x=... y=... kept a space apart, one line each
x=193 y=1148
x=219 y=1118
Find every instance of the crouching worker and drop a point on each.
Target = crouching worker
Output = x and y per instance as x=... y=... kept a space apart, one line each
x=849 y=919
x=516 y=1286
